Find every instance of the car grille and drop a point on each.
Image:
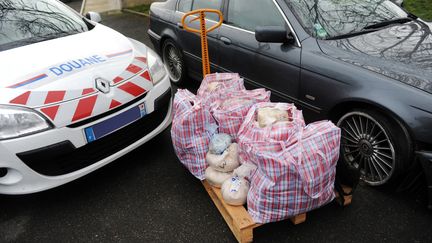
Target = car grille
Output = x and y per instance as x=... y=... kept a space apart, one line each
x=64 y=158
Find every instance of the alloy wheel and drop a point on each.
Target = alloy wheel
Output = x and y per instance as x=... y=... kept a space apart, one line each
x=173 y=62
x=366 y=146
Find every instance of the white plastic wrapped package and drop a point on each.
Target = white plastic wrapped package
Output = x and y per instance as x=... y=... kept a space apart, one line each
x=227 y=161
x=235 y=191
x=245 y=171
x=216 y=178
x=219 y=143
x=267 y=116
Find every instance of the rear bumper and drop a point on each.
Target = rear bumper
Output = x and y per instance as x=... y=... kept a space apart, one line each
x=425 y=158
x=52 y=158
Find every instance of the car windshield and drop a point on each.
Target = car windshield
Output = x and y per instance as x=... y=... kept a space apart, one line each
x=325 y=19
x=24 y=22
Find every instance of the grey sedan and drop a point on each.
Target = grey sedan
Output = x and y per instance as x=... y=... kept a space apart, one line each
x=365 y=64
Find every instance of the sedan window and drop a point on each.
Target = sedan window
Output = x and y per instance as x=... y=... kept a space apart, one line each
x=185 y=6
x=212 y=4
x=248 y=14
x=24 y=22
x=326 y=19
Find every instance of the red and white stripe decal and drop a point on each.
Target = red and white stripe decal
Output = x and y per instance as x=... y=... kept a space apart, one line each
x=134 y=69
x=21 y=99
x=63 y=107
x=51 y=112
x=114 y=104
x=132 y=89
x=54 y=97
x=84 y=108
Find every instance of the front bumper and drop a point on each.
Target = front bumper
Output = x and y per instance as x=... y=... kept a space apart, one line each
x=52 y=158
x=425 y=159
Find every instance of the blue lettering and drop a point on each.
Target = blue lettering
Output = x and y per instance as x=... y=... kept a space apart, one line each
x=77 y=65
x=56 y=71
x=91 y=60
x=66 y=67
x=100 y=59
x=84 y=62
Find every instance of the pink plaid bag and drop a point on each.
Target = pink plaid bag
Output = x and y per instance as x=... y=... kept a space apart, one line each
x=293 y=176
x=251 y=132
x=216 y=85
x=231 y=111
x=191 y=130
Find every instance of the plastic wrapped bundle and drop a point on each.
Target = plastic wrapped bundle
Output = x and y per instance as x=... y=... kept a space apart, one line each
x=235 y=191
x=268 y=116
x=246 y=171
x=227 y=161
x=219 y=143
x=216 y=178
x=191 y=130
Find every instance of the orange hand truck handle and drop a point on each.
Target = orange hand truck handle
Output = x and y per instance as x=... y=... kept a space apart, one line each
x=201 y=11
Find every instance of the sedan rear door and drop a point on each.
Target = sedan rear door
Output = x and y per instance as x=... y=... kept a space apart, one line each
x=191 y=42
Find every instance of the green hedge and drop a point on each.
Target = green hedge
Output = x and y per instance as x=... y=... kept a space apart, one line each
x=145 y=8
x=421 y=8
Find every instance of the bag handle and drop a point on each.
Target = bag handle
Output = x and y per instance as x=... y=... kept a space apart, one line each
x=300 y=168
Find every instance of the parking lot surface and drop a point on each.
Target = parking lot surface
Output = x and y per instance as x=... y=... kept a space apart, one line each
x=147 y=196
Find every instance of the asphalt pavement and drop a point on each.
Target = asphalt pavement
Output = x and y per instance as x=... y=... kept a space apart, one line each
x=147 y=196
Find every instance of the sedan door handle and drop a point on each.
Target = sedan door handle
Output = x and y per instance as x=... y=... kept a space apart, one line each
x=225 y=40
x=180 y=26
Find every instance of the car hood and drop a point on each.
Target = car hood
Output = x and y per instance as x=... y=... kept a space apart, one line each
x=66 y=68
x=401 y=52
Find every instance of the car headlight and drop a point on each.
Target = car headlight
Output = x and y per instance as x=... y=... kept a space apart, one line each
x=156 y=67
x=18 y=121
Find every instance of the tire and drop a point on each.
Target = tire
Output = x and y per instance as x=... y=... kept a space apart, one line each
x=375 y=144
x=174 y=61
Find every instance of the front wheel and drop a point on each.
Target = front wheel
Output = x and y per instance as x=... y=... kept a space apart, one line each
x=374 y=144
x=173 y=59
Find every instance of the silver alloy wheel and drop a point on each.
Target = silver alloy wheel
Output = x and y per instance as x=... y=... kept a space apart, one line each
x=366 y=146
x=173 y=62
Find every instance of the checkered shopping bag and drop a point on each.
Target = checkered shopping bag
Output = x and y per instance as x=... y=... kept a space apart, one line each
x=293 y=176
x=216 y=85
x=250 y=131
x=191 y=130
x=231 y=111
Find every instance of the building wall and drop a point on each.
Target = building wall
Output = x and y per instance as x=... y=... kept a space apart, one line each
x=101 y=5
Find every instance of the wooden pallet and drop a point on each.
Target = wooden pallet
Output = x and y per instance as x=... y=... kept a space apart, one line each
x=239 y=220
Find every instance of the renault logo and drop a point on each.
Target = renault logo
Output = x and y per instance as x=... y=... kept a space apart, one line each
x=103 y=85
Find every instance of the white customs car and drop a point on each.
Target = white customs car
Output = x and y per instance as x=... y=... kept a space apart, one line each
x=74 y=95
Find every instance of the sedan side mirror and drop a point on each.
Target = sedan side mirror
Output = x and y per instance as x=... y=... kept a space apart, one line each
x=93 y=16
x=272 y=34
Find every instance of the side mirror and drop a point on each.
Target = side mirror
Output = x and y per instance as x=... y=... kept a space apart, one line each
x=93 y=16
x=272 y=34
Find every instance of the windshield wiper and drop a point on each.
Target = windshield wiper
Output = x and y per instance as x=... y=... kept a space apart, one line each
x=376 y=27
x=352 y=34
x=384 y=23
